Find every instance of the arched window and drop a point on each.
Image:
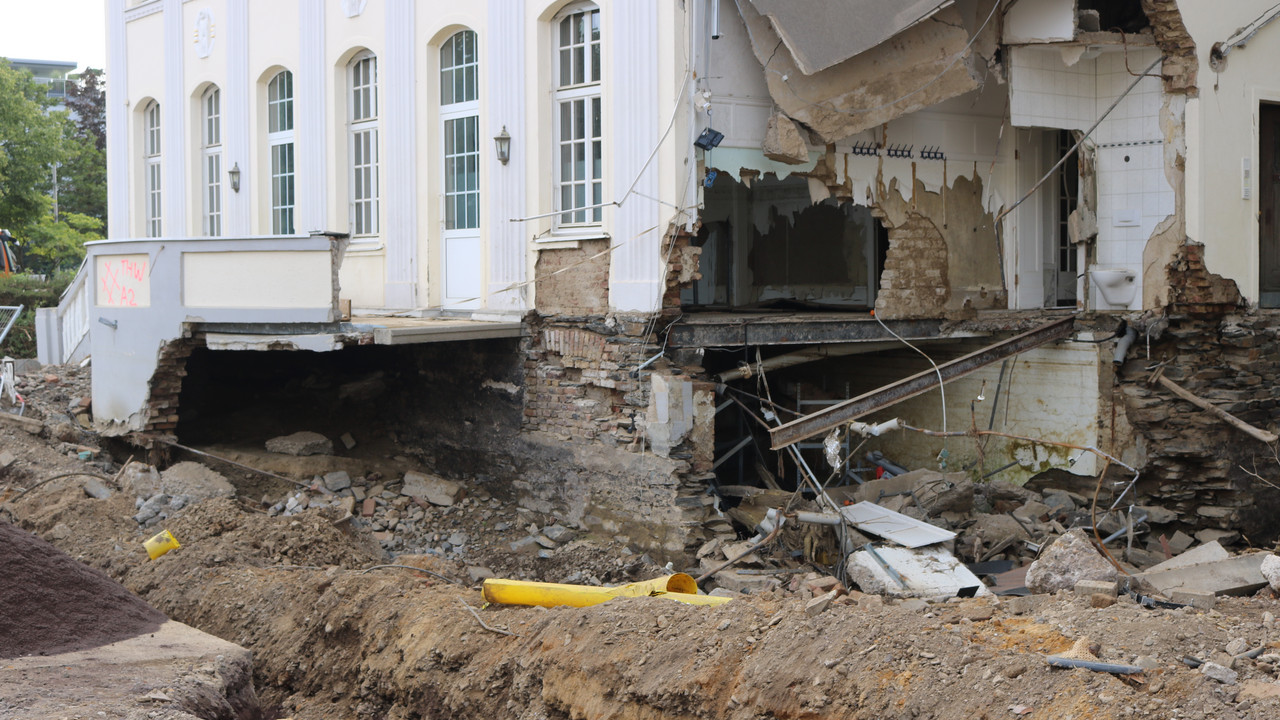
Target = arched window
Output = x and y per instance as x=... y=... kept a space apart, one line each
x=151 y=169
x=280 y=148
x=362 y=117
x=211 y=161
x=460 y=129
x=579 y=143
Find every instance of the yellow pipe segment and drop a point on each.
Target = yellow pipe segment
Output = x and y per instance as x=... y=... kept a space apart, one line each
x=679 y=587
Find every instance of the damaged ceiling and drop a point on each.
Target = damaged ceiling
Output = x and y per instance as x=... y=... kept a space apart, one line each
x=916 y=65
x=819 y=33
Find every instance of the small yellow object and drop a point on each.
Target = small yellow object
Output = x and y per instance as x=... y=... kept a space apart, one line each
x=679 y=587
x=160 y=544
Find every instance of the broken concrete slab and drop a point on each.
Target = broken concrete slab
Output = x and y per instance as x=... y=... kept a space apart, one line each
x=1070 y=559
x=96 y=490
x=1221 y=673
x=1211 y=552
x=1209 y=535
x=783 y=141
x=434 y=490
x=1099 y=587
x=937 y=492
x=1197 y=600
x=875 y=86
x=741 y=583
x=819 y=605
x=337 y=480
x=897 y=527
x=1238 y=575
x=301 y=444
x=930 y=573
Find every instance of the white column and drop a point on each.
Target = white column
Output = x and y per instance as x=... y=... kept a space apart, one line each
x=237 y=98
x=311 y=178
x=503 y=104
x=398 y=71
x=118 y=130
x=174 y=124
x=632 y=121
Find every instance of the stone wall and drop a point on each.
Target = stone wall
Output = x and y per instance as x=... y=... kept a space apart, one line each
x=166 y=387
x=914 y=282
x=1195 y=464
x=1180 y=63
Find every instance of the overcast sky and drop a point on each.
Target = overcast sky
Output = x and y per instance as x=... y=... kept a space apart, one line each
x=68 y=30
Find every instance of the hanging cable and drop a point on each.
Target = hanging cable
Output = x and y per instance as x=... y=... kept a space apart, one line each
x=942 y=456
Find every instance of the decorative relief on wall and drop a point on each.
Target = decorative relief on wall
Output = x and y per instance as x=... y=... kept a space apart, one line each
x=204 y=33
x=354 y=7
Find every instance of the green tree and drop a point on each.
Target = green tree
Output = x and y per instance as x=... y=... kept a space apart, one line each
x=53 y=245
x=30 y=143
x=82 y=178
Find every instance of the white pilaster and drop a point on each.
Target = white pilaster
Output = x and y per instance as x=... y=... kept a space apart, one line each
x=237 y=98
x=504 y=105
x=119 y=210
x=398 y=72
x=636 y=269
x=310 y=121
x=174 y=124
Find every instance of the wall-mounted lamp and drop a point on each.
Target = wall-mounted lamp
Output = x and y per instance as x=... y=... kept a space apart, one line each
x=502 y=141
x=234 y=175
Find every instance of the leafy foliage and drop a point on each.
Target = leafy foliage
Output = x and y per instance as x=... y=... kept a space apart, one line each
x=31 y=292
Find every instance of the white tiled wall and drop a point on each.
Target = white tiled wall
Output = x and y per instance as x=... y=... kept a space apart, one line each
x=1045 y=92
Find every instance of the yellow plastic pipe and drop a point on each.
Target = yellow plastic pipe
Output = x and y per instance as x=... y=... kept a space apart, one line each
x=679 y=587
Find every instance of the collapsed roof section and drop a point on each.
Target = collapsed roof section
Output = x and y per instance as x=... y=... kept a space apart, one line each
x=947 y=42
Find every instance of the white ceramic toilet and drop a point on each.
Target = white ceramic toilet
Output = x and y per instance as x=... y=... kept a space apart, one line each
x=1117 y=286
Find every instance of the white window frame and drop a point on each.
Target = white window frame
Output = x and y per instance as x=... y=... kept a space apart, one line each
x=151 y=151
x=280 y=148
x=362 y=144
x=211 y=161
x=577 y=80
x=458 y=117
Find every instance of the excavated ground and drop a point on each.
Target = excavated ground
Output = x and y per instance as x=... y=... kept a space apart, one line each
x=331 y=640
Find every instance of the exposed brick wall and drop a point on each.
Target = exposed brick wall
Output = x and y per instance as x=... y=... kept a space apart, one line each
x=914 y=282
x=1196 y=291
x=574 y=281
x=578 y=380
x=1180 y=64
x=1196 y=464
x=166 y=386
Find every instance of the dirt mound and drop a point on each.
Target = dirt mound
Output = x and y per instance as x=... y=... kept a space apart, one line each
x=54 y=604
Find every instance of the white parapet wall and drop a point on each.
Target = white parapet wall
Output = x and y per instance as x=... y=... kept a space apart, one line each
x=147 y=293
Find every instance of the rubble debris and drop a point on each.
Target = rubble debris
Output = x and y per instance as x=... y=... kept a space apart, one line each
x=96 y=490
x=1209 y=552
x=1220 y=673
x=679 y=587
x=933 y=492
x=434 y=490
x=1270 y=570
x=783 y=141
x=6 y=459
x=1197 y=600
x=301 y=444
x=929 y=573
x=1070 y=559
x=347 y=440
x=1109 y=588
x=819 y=604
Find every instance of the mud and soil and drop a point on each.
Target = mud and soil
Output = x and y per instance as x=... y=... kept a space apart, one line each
x=332 y=640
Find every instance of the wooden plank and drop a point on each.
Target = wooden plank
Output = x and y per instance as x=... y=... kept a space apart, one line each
x=23 y=423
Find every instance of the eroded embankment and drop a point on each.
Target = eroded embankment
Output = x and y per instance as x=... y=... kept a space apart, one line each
x=330 y=641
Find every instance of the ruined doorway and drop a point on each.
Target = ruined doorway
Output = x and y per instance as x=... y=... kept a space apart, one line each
x=1047 y=262
x=767 y=244
x=1269 y=207
x=1066 y=183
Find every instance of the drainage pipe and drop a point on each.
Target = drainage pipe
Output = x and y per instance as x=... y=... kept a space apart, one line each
x=807 y=355
x=679 y=587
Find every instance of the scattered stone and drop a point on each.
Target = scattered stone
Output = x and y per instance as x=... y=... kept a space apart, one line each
x=546 y=542
x=1156 y=515
x=479 y=574
x=434 y=490
x=337 y=480
x=347 y=441
x=709 y=547
x=819 y=605
x=1146 y=662
x=458 y=539
x=823 y=584
x=1271 y=571
x=96 y=490
x=1092 y=587
x=1031 y=511
x=1179 y=543
x=1197 y=600
x=914 y=605
x=1221 y=673
x=369 y=507
x=300 y=444
x=348 y=505
x=1222 y=537
x=723 y=592
x=1237 y=575
x=6 y=459
x=151 y=509
x=1070 y=559
x=523 y=542
x=1237 y=646
x=557 y=532
x=545 y=554
x=60 y=532
x=740 y=583
x=1268 y=619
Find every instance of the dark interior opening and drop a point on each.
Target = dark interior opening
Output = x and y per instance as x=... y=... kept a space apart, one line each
x=768 y=245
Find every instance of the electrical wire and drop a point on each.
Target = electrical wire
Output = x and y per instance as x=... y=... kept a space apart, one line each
x=941 y=385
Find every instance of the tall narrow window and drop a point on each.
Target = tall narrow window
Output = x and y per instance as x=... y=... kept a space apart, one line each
x=579 y=176
x=151 y=157
x=460 y=129
x=211 y=161
x=363 y=144
x=280 y=147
